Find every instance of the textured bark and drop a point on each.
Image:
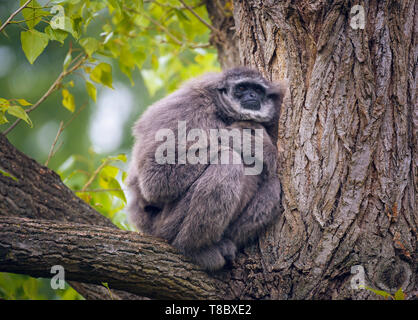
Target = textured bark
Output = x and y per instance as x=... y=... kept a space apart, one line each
x=349 y=134
x=125 y=260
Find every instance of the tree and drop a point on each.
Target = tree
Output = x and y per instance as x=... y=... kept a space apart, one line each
x=348 y=140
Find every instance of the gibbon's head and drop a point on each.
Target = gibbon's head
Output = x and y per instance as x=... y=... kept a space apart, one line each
x=245 y=95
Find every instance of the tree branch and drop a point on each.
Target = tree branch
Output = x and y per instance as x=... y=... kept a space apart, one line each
x=13 y=15
x=125 y=260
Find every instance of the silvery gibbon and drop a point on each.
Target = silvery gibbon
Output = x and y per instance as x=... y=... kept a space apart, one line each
x=181 y=189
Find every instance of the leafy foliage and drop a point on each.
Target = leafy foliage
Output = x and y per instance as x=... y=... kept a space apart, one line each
x=159 y=43
x=162 y=39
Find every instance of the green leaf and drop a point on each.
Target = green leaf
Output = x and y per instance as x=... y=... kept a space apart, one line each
x=127 y=63
x=20 y=113
x=90 y=45
x=180 y=14
x=122 y=157
x=154 y=62
x=23 y=102
x=34 y=14
x=108 y=181
x=109 y=172
x=85 y=197
x=119 y=157
x=66 y=25
x=112 y=183
x=104 y=284
x=140 y=58
x=3 y=118
x=56 y=34
x=382 y=293
x=33 y=44
x=4 y=104
x=399 y=295
x=68 y=100
x=6 y=174
x=91 y=90
x=102 y=73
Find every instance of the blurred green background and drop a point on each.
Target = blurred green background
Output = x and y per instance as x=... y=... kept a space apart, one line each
x=167 y=45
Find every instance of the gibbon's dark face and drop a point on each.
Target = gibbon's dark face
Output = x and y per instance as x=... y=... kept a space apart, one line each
x=244 y=95
x=249 y=94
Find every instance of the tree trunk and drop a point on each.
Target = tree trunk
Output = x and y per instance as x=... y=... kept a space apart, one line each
x=349 y=135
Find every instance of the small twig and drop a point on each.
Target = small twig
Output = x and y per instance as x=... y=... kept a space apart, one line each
x=75 y=115
x=60 y=130
x=51 y=151
x=13 y=15
x=94 y=175
x=51 y=89
x=212 y=28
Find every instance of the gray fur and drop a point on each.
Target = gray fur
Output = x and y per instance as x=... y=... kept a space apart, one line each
x=207 y=211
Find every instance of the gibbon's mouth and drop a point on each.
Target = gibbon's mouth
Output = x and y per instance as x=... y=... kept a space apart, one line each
x=251 y=104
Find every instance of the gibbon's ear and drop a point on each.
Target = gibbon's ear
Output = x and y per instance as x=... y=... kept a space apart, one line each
x=222 y=87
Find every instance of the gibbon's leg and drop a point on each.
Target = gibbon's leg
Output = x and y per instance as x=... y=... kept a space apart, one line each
x=209 y=258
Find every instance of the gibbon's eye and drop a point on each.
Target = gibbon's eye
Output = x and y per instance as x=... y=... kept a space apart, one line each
x=241 y=88
x=259 y=90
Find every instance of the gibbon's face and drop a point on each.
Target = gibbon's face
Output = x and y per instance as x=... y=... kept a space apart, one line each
x=249 y=94
x=247 y=99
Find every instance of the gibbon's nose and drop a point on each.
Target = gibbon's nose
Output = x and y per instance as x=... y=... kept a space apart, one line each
x=253 y=94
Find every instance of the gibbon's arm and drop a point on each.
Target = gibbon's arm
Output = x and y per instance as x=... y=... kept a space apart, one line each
x=262 y=211
x=163 y=183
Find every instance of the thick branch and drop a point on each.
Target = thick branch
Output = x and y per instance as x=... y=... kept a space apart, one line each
x=125 y=260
